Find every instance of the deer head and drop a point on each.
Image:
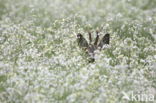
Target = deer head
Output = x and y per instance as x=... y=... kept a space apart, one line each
x=91 y=47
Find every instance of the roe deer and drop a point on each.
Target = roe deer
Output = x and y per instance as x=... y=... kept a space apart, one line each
x=91 y=47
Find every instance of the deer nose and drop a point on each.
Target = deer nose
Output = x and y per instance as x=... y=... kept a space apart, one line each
x=91 y=57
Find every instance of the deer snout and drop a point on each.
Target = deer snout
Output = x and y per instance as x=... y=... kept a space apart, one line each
x=91 y=53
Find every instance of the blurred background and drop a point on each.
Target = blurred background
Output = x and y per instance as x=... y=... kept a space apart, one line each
x=41 y=62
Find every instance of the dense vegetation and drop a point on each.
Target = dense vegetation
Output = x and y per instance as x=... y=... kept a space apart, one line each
x=40 y=61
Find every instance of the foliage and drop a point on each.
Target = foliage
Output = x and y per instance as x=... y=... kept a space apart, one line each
x=41 y=62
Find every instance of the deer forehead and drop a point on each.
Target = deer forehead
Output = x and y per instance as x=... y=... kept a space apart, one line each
x=92 y=47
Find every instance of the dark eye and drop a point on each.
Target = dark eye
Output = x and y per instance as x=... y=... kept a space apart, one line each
x=79 y=35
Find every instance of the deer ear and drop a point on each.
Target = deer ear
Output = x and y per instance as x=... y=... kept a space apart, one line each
x=104 y=40
x=82 y=42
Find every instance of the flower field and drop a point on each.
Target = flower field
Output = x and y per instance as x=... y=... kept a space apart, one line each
x=40 y=61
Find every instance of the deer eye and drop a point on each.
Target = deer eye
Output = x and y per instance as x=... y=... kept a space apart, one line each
x=79 y=35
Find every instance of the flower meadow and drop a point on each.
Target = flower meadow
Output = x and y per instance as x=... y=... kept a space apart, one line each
x=40 y=61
